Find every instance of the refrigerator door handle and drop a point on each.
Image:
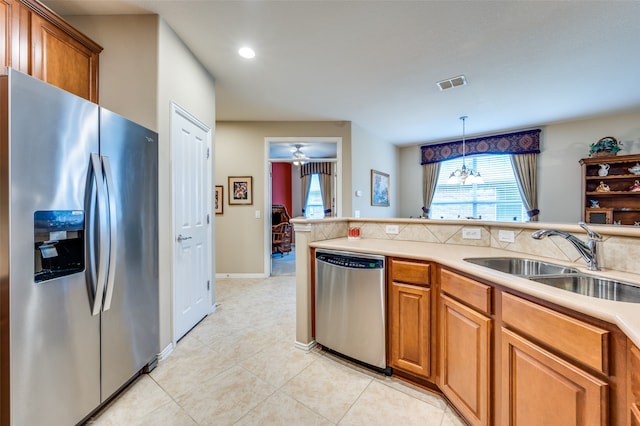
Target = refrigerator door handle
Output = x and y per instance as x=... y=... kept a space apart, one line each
x=113 y=232
x=102 y=230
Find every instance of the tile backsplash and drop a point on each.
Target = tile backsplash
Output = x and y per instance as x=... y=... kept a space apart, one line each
x=616 y=251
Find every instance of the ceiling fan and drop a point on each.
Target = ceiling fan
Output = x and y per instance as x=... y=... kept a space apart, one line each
x=299 y=157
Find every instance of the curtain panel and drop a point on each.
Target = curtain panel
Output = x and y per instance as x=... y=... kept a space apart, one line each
x=429 y=180
x=327 y=196
x=525 y=142
x=305 y=186
x=525 y=170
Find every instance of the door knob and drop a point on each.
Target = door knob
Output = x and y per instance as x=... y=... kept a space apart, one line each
x=181 y=238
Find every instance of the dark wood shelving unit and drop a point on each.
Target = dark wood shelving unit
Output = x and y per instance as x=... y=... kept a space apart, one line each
x=619 y=205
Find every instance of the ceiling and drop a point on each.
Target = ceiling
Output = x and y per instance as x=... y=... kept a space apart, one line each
x=376 y=63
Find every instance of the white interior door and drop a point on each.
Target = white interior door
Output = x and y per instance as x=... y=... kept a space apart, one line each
x=191 y=146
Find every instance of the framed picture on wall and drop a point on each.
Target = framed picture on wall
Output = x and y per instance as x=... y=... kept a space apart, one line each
x=240 y=190
x=379 y=188
x=219 y=199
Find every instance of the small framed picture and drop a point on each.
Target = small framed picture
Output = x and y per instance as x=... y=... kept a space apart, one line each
x=219 y=199
x=379 y=188
x=240 y=190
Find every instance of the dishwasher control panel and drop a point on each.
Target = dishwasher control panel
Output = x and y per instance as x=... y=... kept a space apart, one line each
x=350 y=260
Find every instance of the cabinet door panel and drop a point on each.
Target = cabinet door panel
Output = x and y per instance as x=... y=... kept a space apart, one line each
x=465 y=337
x=539 y=388
x=14 y=27
x=410 y=312
x=62 y=61
x=634 y=415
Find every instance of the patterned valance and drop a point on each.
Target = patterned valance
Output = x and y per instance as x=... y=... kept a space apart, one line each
x=526 y=142
x=322 y=168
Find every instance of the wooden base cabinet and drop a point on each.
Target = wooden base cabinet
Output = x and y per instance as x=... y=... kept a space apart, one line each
x=633 y=383
x=539 y=388
x=464 y=341
x=465 y=337
x=409 y=305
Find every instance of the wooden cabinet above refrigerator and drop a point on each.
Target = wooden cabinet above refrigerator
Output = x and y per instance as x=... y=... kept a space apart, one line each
x=40 y=43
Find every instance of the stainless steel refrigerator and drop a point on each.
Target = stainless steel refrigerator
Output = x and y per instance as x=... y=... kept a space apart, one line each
x=78 y=253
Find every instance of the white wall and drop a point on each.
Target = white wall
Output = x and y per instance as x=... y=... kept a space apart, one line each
x=559 y=173
x=370 y=152
x=128 y=77
x=410 y=182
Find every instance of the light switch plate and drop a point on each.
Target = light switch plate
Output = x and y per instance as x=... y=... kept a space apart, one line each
x=506 y=236
x=392 y=229
x=471 y=233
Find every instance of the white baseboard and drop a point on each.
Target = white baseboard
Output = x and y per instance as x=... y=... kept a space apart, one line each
x=166 y=352
x=306 y=346
x=241 y=276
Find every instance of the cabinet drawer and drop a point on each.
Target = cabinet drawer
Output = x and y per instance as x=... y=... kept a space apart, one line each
x=584 y=342
x=471 y=292
x=410 y=272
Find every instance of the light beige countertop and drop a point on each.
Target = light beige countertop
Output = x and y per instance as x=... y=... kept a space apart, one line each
x=624 y=315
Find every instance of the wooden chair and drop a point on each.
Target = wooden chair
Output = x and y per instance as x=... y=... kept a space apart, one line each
x=281 y=238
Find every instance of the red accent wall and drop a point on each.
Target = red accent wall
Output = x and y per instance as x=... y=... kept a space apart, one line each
x=281 y=185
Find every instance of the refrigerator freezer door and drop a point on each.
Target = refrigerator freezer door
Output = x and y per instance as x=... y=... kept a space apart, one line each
x=54 y=339
x=130 y=337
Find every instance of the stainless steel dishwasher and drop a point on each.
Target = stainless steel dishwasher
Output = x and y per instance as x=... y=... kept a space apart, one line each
x=350 y=306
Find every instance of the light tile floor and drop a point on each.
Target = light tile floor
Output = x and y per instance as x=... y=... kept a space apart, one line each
x=239 y=366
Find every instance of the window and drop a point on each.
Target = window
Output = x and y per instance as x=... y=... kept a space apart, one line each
x=314 y=208
x=498 y=198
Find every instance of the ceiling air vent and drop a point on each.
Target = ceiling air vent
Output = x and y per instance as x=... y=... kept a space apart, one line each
x=452 y=82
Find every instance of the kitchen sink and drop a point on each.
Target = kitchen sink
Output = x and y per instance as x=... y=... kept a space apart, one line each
x=521 y=266
x=590 y=285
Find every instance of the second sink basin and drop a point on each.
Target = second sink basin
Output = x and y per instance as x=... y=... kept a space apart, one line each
x=521 y=266
x=593 y=286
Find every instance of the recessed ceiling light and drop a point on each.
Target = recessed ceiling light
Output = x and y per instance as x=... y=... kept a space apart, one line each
x=247 y=53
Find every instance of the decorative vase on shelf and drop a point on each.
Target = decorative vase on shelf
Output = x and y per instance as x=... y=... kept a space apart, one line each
x=604 y=169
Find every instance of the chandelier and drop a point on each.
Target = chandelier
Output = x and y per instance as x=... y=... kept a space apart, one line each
x=464 y=175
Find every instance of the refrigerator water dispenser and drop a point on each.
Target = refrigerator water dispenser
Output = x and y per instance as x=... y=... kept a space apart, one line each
x=59 y=243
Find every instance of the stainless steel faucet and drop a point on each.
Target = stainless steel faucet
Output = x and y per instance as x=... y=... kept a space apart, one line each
x=588 y=250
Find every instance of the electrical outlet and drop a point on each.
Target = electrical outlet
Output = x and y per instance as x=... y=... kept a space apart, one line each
x=506 y=236
x=471 y=233
x=392 y=229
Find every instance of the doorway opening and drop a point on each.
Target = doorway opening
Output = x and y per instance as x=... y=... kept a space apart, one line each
x=286 y=159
